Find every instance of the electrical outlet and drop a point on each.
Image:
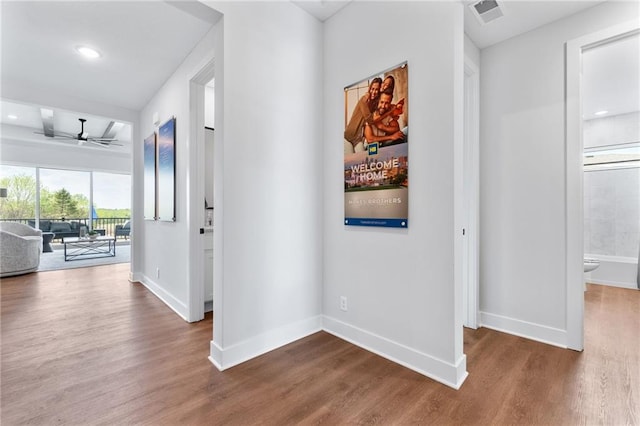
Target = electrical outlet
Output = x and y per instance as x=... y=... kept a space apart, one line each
x=157 y=272
x=343 y=303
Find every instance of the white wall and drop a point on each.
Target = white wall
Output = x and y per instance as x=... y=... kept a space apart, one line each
x=399 y=282
x=165 y=245
x=612 y=212
x=522 y=174
x=614 y=130
x=471 y=51
x=268 y=179
x=611 y=197
x=210 y=108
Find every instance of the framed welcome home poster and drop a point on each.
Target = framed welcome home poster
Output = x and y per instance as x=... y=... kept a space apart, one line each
x=376 y=140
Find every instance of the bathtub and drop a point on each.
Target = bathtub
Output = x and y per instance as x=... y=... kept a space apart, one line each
x=614 y=271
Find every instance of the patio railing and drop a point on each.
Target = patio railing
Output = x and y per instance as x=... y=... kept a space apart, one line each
x=108 y=224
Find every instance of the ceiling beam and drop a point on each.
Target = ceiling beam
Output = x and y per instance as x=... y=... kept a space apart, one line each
x=112 y=130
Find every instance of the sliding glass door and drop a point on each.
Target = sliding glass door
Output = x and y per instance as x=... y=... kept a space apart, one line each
x=66 y=199
x=111 y=201
x=64 y=195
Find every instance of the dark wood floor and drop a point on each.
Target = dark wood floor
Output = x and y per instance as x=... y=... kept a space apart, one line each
x=85 y=346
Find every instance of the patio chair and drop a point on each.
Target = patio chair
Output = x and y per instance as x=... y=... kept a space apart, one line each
x=123 y=230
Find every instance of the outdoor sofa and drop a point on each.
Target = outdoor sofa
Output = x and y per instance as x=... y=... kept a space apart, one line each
x=62 y=229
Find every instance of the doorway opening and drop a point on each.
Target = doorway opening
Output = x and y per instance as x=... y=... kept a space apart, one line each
x=201 y=196
x=83 y=214
x=611 y=140
x=574 y=219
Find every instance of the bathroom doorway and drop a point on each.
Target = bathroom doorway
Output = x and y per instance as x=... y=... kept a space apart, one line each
x=575 y=229
x=611 y=140
x=202 y=115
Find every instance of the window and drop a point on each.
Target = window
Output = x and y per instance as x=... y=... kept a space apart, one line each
x=20 y=183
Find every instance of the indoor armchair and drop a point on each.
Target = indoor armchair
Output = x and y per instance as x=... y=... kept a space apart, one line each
x=20 y=247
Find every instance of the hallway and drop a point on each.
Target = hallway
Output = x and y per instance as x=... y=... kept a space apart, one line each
x=85 y=346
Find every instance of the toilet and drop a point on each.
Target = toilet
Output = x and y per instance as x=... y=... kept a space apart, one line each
x=590 y=264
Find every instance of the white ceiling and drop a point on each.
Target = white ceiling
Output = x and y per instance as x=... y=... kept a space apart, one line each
x=143 y=42
x=321 y=9
x=519 y=17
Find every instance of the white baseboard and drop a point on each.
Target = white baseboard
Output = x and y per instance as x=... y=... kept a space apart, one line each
x=177 y=306
x=224 y=358
x=610 y=283
x=528 y=330
x=452 y=375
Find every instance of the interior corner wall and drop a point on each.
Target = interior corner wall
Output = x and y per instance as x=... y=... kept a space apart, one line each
x=162 y=248
x=522 y=175
x=268 y=259
x=471 y=51
x=399 y=283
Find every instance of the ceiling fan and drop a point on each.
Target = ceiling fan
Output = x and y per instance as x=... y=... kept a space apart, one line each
x=105 y=141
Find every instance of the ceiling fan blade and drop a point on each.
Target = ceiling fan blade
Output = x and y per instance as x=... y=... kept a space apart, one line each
x=47 y=121
x=64 y=135
x=102 y=145
x=103 y=139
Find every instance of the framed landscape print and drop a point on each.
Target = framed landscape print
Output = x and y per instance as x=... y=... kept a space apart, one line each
x=150 y=175
x=167 y=171
x=376 y=150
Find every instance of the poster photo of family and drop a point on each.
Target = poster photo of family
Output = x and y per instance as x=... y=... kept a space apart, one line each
x=376 y=140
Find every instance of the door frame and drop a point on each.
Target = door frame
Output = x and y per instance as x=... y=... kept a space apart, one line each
x=471 y=191
x=196 y=176
x=574 y=217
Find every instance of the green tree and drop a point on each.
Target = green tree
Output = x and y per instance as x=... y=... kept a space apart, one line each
x=21 y=197
x=65 y=205
x=82 y=204
x=113 y=213
x=47 y=204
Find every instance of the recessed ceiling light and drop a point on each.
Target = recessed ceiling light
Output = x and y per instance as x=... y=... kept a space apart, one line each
x=603 y=112
x=88 y=52
x=12 y=117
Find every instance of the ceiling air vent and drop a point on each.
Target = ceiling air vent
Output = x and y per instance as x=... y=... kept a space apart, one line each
x=487 y=10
